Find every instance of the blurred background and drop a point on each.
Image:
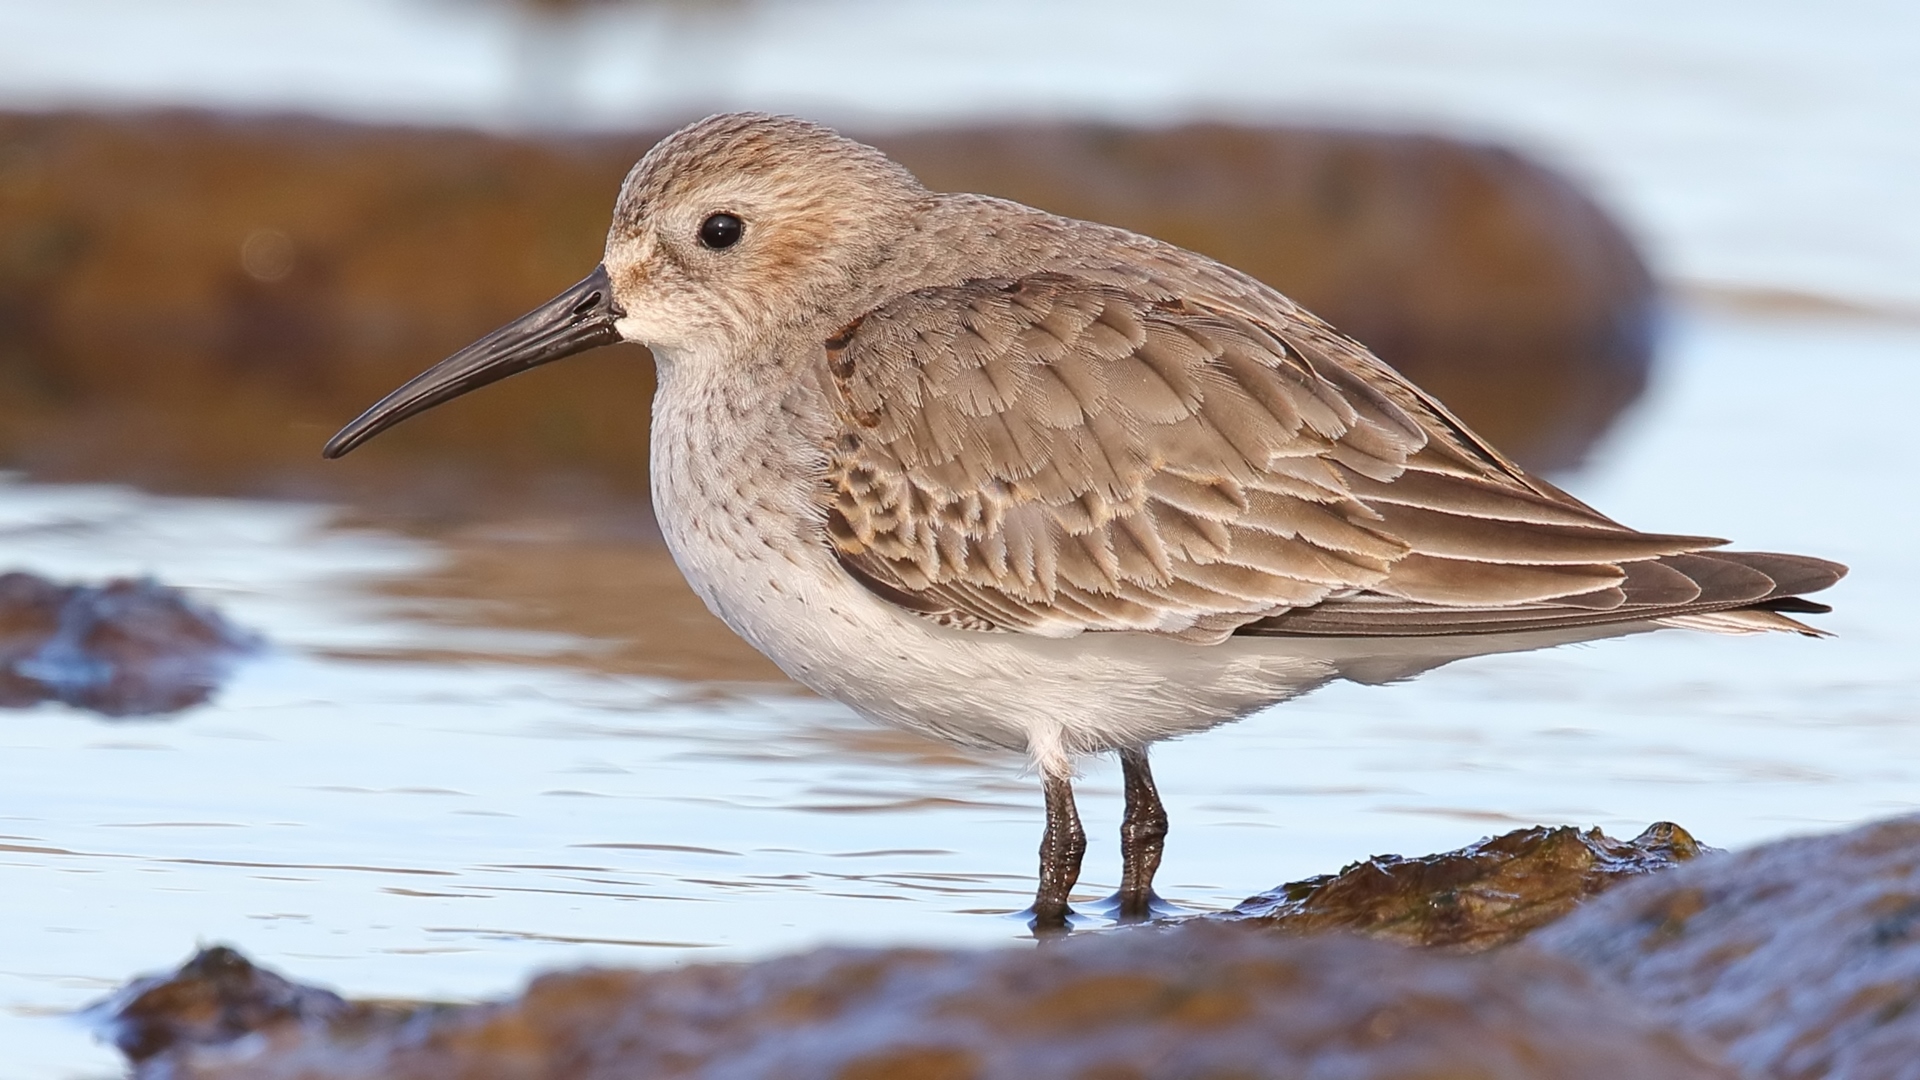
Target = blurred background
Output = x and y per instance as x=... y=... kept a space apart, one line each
x=473 y=725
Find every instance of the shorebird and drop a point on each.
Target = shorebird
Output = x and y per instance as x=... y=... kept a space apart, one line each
x=1021 y=481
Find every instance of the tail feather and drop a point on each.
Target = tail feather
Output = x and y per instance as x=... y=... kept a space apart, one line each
x=1722 y=591
x=1792 y=574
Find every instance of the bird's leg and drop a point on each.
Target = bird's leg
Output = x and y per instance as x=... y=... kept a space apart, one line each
x=1061 y=850
x=1143 y=835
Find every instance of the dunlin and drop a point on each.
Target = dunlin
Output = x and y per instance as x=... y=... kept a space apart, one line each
x=1020 y=481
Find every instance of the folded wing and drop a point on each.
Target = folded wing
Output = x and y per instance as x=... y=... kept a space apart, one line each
x=1053 y=454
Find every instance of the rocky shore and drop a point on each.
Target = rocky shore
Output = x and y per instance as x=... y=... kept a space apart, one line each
x=1796 y=959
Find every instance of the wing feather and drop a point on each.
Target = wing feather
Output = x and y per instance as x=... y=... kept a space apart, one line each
x=1058 y=453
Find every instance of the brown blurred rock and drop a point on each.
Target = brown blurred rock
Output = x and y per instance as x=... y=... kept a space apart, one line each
x=1191 y=1001
x=1486 y=894
x=1801 y=958
x=211 y=1000
x=196 y=302
x=125 y=648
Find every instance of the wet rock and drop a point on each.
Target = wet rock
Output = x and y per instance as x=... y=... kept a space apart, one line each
x=213 y=999
x=1801 y=958
x=1188 y=1001
x=1486 y=894
x=126 y=648
x=196 y=302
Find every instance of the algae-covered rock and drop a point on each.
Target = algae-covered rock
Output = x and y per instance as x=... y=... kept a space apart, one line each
x=1486 y=894
x=1801 y=958
x=1186 y=1001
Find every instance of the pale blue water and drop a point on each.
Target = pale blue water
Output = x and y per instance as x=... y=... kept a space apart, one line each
x=445 y=829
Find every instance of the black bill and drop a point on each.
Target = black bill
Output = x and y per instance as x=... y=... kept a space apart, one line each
x=577 y=320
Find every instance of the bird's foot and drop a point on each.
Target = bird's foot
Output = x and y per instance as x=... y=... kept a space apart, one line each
x=1053 y=921
x=1127 y=908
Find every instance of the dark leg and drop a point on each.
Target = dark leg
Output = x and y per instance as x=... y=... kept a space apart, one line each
x=1061 y=850
x=1143 y=835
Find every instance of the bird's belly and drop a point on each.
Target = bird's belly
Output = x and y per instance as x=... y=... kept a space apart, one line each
x=1053 y=698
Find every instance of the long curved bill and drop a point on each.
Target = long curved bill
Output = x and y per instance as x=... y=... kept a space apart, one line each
x=579 y=319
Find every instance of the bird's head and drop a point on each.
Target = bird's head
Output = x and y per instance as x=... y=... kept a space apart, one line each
x=728 y=232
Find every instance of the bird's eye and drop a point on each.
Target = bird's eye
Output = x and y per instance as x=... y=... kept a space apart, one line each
x=721 y=231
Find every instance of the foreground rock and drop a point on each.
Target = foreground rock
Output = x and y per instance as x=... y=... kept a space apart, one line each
x=125 y=648
x=1188 y=1001
x=1798 y=959
x=198 y=301
x=1801 y=958
x=1193 y=999
x=1486 y=894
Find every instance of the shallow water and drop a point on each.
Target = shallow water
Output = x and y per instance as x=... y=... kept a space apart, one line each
x=456 y=769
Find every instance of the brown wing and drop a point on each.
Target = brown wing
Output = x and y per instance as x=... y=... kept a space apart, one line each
x=1052 y=455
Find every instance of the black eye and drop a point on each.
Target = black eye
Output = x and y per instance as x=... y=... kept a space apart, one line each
x=721 y=231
